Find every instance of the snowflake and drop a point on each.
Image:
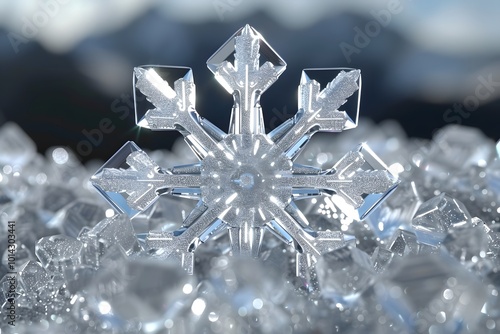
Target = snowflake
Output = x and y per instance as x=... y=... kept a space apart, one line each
x=246 y=181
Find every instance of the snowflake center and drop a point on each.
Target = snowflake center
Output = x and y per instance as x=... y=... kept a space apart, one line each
x=246 y=180
x=245 y=173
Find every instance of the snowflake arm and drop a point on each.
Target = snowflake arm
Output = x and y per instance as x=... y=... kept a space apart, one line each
x=183 y=242
x=174 y=109
x=144 y=181
x=246 y=80
x=355 y=176
x=318 y=110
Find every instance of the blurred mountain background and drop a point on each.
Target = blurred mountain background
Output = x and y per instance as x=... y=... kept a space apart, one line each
x=65 y=65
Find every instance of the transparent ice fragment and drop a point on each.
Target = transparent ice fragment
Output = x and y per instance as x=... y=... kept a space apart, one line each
x=493 y=236
x=438 y=215
x=397 y=211
x=381 y=259
x=233 y=299
x=59 y=252
x=404 y=243
x=32 y=227
x=344 y=274
x=72 y=218
x=16 y=147
x=139 y=293
x=33 y=278
x=112 y=231
x=168 y=213
x=78 y=278
x=65 y=167
x=431 y=291
x=467 y=244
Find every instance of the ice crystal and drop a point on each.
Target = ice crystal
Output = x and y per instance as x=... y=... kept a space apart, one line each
x=246 y=181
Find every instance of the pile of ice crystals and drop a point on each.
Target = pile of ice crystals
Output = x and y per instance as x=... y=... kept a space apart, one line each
x=425 y=261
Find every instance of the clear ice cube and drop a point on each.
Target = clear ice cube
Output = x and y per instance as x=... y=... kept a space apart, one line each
x=117 y=230
x=431 y=293
x=59 y=252
x=344 y=274
x=438 y=215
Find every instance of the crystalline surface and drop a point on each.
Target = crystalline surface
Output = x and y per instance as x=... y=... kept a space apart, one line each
x=344 y=273
x=381 y=258
x=33 y=277
x=246 y=181
x=234 y=293
x=58 y=252
x=438 y=215
x=431 y=291
x=404 y=243
x=281 y=292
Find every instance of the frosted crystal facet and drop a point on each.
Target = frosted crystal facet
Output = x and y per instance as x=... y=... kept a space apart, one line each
x=404 y=243
x=438 y=215
x=246 y=182
x=112 y=231
x=58 y=252
x=33 y=278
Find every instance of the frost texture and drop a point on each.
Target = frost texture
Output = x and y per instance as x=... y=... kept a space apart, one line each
x=246 y=181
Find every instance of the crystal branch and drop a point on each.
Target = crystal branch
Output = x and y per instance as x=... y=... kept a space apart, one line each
x=144 y=181
x=246 y=80
x=318 y=110
x=174 y=109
